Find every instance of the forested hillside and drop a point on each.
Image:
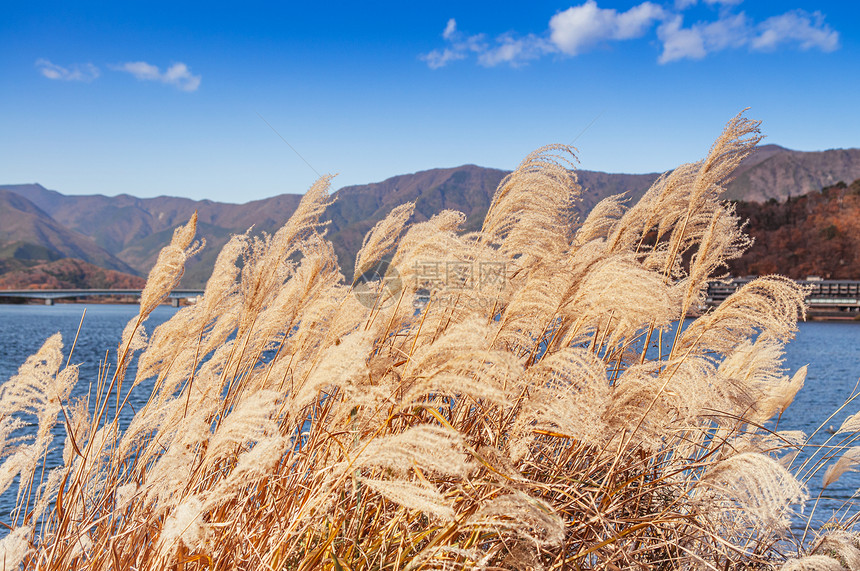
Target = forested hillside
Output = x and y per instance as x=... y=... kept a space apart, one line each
x=817 y=234
x=68 y=273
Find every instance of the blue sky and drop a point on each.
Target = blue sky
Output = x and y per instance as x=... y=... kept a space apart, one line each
x=153 y=98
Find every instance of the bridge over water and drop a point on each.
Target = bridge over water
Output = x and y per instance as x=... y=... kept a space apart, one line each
x=829 y=299
x=50 y=295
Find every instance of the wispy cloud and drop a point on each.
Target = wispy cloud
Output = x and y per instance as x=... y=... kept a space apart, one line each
x=514 y=51
x=580 y=28
x=679 y=42
x=459 y=46
x=797 y=28
x=697 y=41
x=808 y=31
x=76 y=72
x=178 y=74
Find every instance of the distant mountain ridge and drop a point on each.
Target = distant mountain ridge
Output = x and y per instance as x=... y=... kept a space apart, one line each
x=774 y=172
x=125 y=233
x=29 y=233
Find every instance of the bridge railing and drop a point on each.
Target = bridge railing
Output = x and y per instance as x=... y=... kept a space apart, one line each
x=49 y=295
x=826 y=298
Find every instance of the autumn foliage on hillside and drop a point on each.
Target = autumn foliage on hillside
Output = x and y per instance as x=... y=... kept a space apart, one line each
x=814 y=234
x=69 y=273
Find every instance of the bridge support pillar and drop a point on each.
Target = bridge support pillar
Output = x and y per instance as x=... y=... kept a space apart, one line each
x=49 y=301
x=174 y=302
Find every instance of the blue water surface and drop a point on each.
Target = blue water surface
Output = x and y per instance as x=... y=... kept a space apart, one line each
x=24 y=329
x=831 y=349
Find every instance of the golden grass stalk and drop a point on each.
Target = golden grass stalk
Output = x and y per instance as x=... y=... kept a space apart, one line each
x=546 y=408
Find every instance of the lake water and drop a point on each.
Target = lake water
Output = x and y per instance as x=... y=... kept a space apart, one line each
x=831 y=349
x=23 y=330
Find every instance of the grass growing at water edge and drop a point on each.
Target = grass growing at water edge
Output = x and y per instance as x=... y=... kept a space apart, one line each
x=538 y=412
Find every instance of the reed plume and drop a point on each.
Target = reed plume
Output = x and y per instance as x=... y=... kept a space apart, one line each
x=540 y=404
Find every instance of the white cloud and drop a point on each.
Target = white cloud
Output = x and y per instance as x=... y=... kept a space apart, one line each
x=731 y=31
x=178 y=74
x=514 y=51
x=697 y=41
x=459 y=46
x=141 y=70
x=579 y=27
x=569 y=31
x=637 y=20
x=680 y=43
x=450 y=29
x=808 y=31
x=77 y=72
x=441 y=58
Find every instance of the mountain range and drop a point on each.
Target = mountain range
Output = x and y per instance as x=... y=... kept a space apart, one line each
x=124 y=233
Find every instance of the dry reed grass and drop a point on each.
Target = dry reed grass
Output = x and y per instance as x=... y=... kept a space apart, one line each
x=550 y=418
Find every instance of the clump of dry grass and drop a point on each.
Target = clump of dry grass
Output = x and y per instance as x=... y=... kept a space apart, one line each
x=543 y=410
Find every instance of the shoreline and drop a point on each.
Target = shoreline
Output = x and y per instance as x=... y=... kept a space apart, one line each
x=811 y=316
